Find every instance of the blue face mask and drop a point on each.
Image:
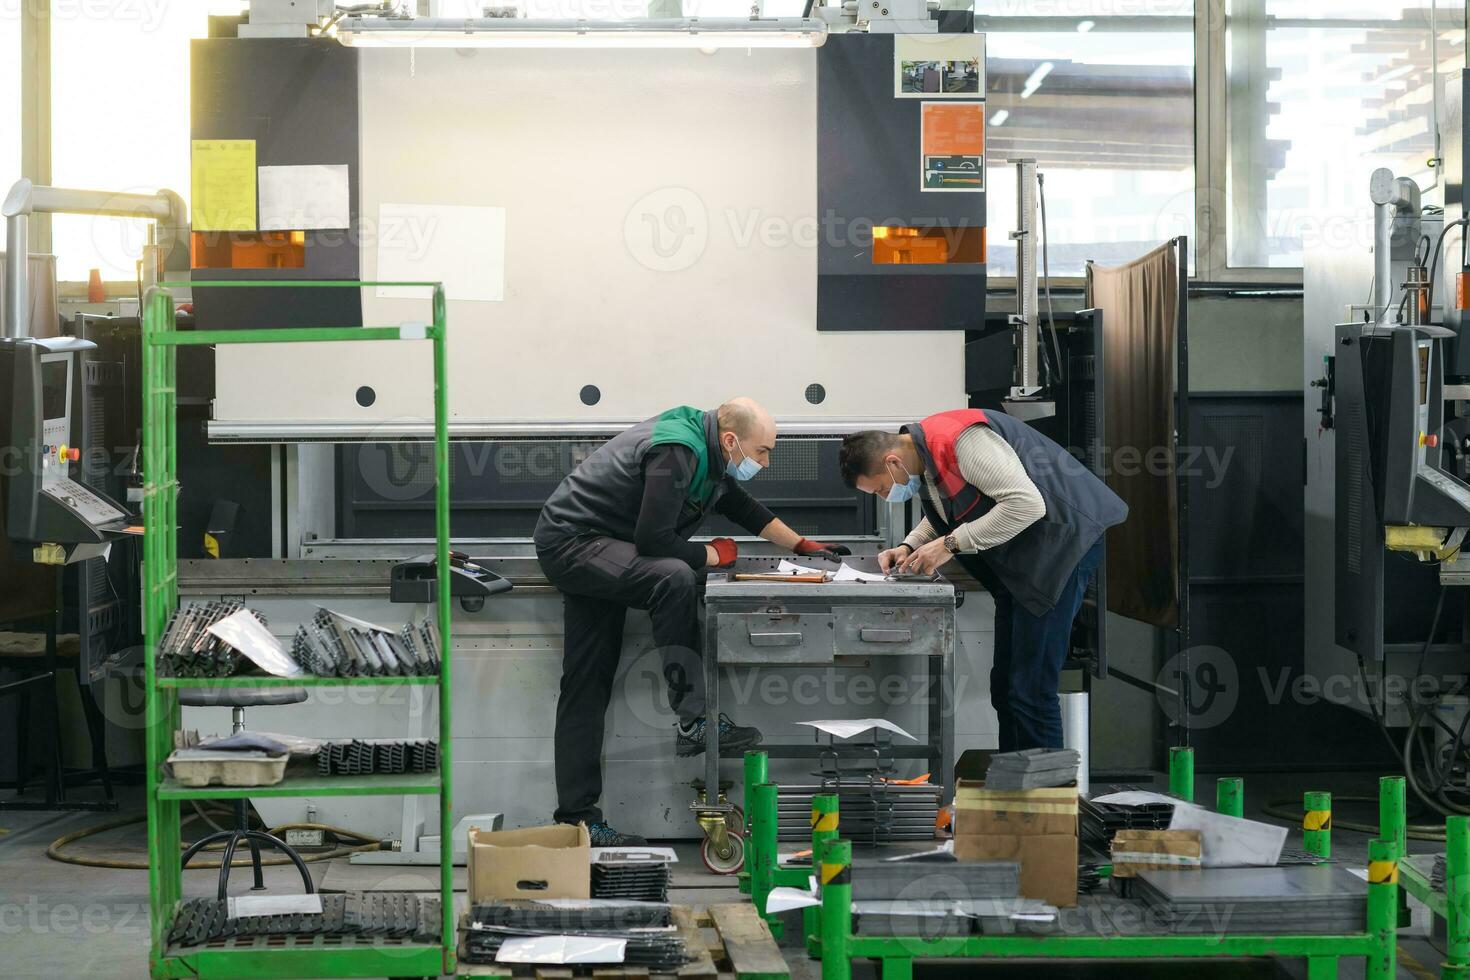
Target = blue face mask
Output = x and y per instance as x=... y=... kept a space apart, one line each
x=904 y=491
x=746 y=469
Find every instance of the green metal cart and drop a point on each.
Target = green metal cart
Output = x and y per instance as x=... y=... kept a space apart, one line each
x=315 y=956
x=829 y=936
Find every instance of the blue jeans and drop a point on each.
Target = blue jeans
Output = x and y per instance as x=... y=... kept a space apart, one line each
x=1029 y=653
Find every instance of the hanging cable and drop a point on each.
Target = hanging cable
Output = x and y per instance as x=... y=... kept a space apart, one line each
x=1046 y=275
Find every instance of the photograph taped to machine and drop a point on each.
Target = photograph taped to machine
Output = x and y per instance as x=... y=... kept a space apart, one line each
x=952 y=146
x=939 y=66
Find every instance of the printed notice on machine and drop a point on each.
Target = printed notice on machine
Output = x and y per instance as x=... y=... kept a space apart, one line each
x=939 y=66
x=952 y=146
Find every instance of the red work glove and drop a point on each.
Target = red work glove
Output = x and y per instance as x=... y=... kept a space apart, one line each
x=725 y=548
x=808 y=548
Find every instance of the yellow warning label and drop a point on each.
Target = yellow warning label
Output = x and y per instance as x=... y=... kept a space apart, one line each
x=1317 y=820
x=834 y=872
x=211 y=545
x=1383 y=872
x=824 y=821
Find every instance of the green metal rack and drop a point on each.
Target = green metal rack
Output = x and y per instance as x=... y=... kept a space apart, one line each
x=828 y=933
x=305 y=956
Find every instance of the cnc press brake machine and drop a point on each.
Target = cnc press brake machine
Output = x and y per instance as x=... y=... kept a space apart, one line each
x=619 y=231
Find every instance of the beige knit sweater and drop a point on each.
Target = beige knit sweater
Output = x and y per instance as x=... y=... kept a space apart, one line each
x=990 y=465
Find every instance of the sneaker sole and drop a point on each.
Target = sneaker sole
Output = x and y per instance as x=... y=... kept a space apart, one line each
x=748 y=743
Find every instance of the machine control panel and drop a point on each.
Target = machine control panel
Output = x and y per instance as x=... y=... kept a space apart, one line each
x=41 y=417
x=86 y=504
x=56 y=449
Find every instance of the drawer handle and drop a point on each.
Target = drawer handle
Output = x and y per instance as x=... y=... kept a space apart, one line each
x=871 y=635
x=775 y=639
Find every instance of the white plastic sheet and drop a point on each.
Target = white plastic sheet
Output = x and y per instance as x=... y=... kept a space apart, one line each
x=245 y=633
x=561 y=950
x=847 y=728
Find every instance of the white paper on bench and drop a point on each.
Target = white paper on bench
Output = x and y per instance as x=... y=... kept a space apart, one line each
x=844 y=574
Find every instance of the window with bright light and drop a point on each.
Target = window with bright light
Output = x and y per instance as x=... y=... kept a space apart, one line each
x=131 y=135
x=1320 y=93
x=1103 y=99
x=10 y=101
x=623 y=9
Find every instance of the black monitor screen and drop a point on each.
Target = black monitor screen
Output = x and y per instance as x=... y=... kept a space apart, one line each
x=53 y=389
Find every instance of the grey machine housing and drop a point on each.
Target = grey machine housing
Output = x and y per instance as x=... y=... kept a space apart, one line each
x=1391 y=448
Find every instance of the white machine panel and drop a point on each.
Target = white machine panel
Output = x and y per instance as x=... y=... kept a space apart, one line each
x=654 y=214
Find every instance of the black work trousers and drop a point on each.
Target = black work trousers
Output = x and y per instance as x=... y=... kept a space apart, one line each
x=601 y=578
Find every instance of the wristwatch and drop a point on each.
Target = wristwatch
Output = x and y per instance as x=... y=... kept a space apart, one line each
x=952 y=544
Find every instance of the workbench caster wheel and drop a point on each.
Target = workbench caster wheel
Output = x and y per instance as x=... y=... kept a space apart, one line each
x=735 y=820
x=724 y=865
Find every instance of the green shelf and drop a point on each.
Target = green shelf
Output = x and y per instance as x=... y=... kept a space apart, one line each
x=315 y=956
x=295 y=956
x=249 y=681
x=397 y=784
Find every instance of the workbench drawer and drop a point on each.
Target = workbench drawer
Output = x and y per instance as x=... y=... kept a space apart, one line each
x=774 y=638
x=898 y=631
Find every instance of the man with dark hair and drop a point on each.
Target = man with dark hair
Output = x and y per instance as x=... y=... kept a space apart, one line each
x=1023 y=516
x=615 y=536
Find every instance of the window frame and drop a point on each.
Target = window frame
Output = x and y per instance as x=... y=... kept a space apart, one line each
x=1211 y=148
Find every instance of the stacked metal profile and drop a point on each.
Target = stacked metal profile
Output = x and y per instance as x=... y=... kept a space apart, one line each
x=876 y=807
x=387 y=915
x=337 y=646
x=188 y=649
x=328 y=646
x=1098 y=822
x=651 y=940
x=631 y=874
x=1299 y=899
x=1032 y=769
x=365 y=756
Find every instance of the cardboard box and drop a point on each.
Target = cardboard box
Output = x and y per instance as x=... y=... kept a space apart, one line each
x=1142 y=850
x=1048 y=862
x=536 y=862
x=1036 y=812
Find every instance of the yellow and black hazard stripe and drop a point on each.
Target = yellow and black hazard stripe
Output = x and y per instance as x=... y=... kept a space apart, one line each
x=824 y=821
x=836 y=874
x=1383 y=872
x=1317 y=820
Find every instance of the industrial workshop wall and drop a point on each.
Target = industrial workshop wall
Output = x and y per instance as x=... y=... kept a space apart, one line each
x=660 y=228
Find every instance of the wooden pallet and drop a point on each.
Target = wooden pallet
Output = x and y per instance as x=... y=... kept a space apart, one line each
x=729 y=942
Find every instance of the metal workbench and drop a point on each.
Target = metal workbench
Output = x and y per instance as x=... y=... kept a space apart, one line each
x=833 y=624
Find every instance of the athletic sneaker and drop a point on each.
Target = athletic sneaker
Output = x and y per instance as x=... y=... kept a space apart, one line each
x=604 y=836
x=690 y=740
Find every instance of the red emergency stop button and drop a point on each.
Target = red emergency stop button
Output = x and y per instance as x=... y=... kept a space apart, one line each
x=75 y=454
x=1430 y=440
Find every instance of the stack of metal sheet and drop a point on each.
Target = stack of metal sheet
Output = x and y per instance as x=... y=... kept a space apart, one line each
x=1299 y=899
x=1098 y=822
x=399 y=915
x=188 y=649
x=651 y=940
x=873 y=811
x=951 y=880
x=934 y=897
x=1032 y=769
x=333 y=645
x=637 y=874
x=365 y=756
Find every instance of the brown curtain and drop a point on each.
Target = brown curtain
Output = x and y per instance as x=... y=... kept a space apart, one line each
x=1140 y=306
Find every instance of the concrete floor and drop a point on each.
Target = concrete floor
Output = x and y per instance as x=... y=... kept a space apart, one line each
x=63 y=921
